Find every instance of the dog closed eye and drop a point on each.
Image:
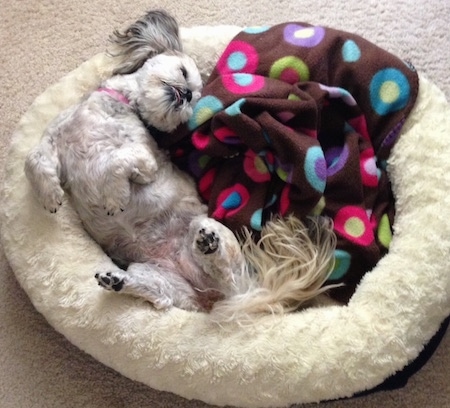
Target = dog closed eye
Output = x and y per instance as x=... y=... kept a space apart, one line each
x=184 y=72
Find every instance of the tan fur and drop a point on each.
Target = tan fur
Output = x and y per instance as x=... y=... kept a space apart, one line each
x=286 y=268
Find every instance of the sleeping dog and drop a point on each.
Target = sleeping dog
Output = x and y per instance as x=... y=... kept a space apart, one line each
x=145 y=213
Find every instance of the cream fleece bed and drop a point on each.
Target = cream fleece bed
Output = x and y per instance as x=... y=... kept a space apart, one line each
x=318 y=354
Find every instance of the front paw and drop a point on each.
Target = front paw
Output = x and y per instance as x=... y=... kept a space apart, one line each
x=53 y=200
x=162 y=303
x=207 y=241
x=144 y=171
x=110 y=281
x=116 y=201
x=141 y=176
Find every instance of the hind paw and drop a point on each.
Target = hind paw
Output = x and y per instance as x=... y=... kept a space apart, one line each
x=207 y=241
x=110 y=281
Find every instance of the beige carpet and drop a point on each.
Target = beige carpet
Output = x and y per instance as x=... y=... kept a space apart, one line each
x=41 y=40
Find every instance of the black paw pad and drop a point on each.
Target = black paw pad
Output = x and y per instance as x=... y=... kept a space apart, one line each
x=110 y=281
x=208 y=242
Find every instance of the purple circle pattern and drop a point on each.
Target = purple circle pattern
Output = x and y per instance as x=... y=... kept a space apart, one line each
x=303 y=36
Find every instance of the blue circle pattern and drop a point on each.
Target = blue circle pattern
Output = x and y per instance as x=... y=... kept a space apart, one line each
x=256 y=220
x=235 y=108
x=243 y=79
x=237 y=60
x=255 y=29
x=351 y=51
x=209 y=103
x=382 y=77
x=342 y=265
x=315 y=168
x=233 y=201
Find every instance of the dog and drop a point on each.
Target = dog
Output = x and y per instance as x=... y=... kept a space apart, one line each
x=146 y=214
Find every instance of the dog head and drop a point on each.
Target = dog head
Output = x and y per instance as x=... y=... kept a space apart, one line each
x=169 y=82
x=169 y=87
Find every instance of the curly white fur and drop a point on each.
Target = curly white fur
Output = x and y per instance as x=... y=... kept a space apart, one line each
x=145 y=213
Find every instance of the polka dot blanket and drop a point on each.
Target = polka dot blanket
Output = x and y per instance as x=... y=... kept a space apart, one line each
x=301 y=119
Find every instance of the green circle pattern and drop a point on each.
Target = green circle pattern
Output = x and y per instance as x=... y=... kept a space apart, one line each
x=291 y=62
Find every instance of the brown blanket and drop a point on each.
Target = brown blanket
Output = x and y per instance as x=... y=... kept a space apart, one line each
x=300 y=119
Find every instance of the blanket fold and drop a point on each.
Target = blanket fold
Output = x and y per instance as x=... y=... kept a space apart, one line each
x=300 y=119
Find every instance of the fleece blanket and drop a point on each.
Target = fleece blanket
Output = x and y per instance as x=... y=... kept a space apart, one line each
x=300 y=119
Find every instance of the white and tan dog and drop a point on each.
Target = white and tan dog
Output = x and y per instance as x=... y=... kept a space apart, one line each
x=145 y=213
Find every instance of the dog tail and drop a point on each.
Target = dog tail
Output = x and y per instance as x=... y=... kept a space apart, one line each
x=154 y=33
x=287 y=267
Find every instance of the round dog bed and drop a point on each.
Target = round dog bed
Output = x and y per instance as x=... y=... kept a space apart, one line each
x=317 y=354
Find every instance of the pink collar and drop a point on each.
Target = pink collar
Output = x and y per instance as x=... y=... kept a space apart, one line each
x=115 y=94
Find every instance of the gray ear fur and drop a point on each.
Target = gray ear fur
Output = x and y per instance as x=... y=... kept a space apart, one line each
x=154 y=33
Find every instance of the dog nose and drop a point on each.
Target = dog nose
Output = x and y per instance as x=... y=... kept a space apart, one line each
x=187 y=94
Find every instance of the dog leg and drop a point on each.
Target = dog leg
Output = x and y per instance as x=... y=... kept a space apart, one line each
x=141 y=162
x=130 y=163
x=216 y=249
x=42 y=170
x=162 y=289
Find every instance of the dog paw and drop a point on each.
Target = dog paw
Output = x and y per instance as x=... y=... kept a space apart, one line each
x=161 y=303
x=110 y=281
x=113 y=207
x=53 y=200
x=141 y=176
x=144 y=171
x=207 y=241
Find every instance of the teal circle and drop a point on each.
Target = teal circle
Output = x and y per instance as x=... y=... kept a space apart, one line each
x=351 y=51
x=316 y=168
x=379 y=79
x=342 y=264
x=256 y=220
x=237 y=61
x=256 y=29
x=204 y=110
x=243 y=79
x=235 y=108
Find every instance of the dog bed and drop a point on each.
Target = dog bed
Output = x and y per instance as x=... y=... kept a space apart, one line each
x=318 y=354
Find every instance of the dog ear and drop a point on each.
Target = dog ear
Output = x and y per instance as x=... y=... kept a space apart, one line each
x=153 y=34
